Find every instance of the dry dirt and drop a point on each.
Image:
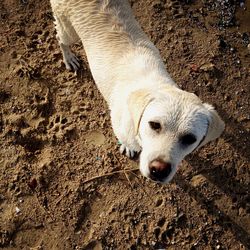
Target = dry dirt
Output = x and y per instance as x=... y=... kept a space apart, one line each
x=55 y=134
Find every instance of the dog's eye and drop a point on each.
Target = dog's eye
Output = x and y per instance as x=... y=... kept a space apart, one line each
x=155 y=126
x=188 y=139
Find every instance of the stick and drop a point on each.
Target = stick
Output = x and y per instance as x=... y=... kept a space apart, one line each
x=109 y=174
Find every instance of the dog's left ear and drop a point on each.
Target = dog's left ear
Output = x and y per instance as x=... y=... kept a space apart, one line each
x=137 y=102
x=215 y=127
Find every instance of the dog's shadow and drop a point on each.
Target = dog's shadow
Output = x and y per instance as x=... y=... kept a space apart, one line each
x=223 y=179
x=238 y=137
x=224 y=220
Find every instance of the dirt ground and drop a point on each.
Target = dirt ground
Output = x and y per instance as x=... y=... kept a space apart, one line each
x=55 y=134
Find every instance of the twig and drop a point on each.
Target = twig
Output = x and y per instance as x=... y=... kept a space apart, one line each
x=126 y=175
x=109 y=174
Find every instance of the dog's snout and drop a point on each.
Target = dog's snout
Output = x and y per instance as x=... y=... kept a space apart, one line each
x=159 y=170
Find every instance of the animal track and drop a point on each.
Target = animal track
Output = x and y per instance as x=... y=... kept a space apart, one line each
x=23 y=132
x=57 y=123
x=176 y=9
x=60 y=126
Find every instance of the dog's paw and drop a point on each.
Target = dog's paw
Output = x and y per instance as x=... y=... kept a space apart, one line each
x=128 y=151
x=71 y=61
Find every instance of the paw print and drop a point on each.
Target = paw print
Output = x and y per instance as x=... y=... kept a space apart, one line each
x=57 y=126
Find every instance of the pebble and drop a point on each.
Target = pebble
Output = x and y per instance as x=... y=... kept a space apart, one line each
x=207 y=67
x=196 y=243
x=241 y=211
x=18 y=210
x=198 y=180
x=232 y=49
x=226 y=98
x=170 y=28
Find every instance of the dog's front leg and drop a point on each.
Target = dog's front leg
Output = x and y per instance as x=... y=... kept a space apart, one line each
x=66 y=35
x=130 y=149
x=124 y=131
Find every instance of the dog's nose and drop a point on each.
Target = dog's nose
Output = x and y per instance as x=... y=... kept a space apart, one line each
x=159 y=170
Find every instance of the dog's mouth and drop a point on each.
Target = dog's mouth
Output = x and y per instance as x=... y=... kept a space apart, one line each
x=161 y=181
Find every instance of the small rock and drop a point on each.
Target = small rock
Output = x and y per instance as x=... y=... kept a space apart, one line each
x=18 y=210
x=226 y=97
x=198 y=180
x=241 y=211
x=232 y=49
x=196 y=243
x=170 y=28
x=207 y=67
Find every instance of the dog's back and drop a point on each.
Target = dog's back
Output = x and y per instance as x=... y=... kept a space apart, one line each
x=111 y=37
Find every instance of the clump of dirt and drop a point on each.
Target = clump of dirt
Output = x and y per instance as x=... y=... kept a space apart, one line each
x=55 y=134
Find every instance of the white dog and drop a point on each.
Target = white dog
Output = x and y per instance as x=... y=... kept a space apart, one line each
x=149 y=112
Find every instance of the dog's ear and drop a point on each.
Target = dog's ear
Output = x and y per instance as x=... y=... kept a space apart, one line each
x=137 y=102
x=215 y=126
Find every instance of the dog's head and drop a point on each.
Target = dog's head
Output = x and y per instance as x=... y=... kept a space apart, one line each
x=170 y=123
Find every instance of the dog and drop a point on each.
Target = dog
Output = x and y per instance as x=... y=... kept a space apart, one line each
x=149 y=112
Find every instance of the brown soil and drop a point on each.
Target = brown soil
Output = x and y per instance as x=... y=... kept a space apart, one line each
x=55 y=134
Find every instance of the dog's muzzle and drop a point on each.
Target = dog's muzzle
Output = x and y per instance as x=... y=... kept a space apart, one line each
x=159 y=170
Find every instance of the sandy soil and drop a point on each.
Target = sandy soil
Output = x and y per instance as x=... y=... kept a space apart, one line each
x=55 y=134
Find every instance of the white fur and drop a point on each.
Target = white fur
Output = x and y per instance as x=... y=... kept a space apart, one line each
x=130 y=74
